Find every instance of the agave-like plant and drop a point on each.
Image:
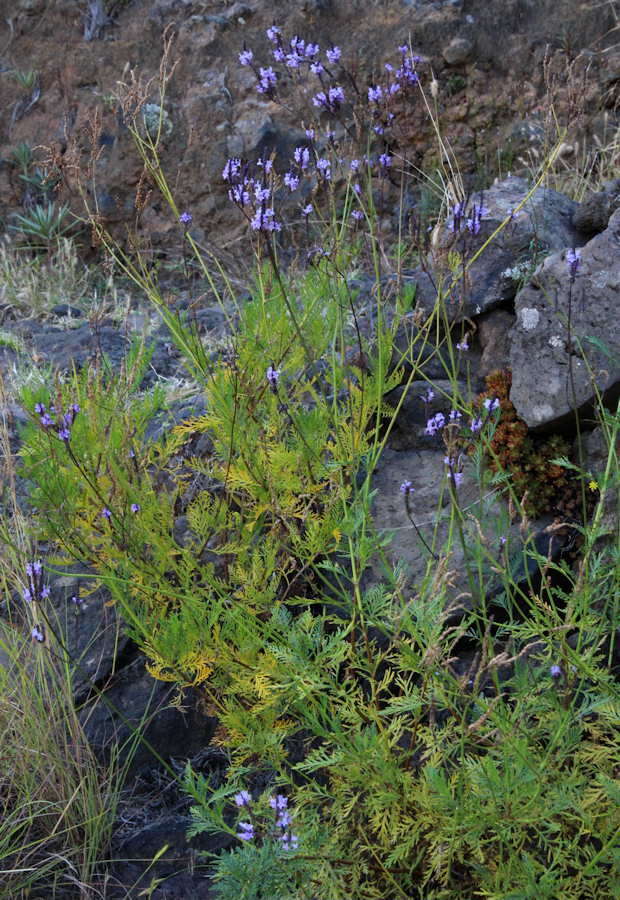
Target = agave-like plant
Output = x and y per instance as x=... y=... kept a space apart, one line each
x=43 y=225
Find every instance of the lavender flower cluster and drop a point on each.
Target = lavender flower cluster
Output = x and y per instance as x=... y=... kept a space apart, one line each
x=468 y=217
x=252 y=195
x=62 y=423
x=36 y=590
x=248 y=831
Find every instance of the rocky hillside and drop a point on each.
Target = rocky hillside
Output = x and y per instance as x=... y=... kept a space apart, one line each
x=497 y=67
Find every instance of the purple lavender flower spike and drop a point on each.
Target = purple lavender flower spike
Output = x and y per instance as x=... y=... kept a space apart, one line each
x=267 y=80
x=428 y=395
x=273 y=34
x=243 y=798
x=573 y=259
x=37 y=634
x=475 y=425
x=291 y=181
x=273 y=376
x=333 y=55
x=105 y=512
x=135 y=507
x=186 y=218
x=357 y=214
x=247 y=831
x=435 y=423
x=39 y=408
x=279 y=802
x=491 y=405
x=463 y=345
x=375 y=94
x=301 y=156
x=324 y=168
x=406 y=488
x=385 y=160
x=555 y=671
x=307 y=210
x=232 y=169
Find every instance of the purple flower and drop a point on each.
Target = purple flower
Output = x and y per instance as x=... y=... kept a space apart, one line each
x=243 y=798
x=293 y=60
x=135 y=507
x=246 y=57
x=312 y=50
x=105 y=512
x=334 y=54
x=39 y=408
x=273 y=34
x=455 y=415
x=491 y=405
x=317 y=68
x=573 y=258
x=231 y=169
x=458 y=478
x=284 y=819
x=354 y=165
x=27 y=595
x=357 y=188
x=46 y=420
x=272 y=376
x=247 y=831
x=428 y=395
x=555 y=671
x=310 y=134
x=475 y=425
x=186 y=218
x=291 y=181
x=267 y=81
x=302 y=157
x=435 y=423
x=502 y=540
x=385 y=160
x=64 y=434
x=378 y=129
x=375 y=94
x=307 y=210
x=357 y=214
x=463 y=345
x=37 y=633
x=406 y=488
x=76 y=600
x=45 y=592
x=289 y=841
x=324 y=168
x=279 y=802
x=329 y=100
x=394 y=88
x=264 y=220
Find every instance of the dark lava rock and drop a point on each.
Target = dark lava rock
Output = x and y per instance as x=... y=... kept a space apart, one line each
x=131 y=697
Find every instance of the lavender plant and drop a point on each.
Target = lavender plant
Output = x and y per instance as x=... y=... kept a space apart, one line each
x=413 y=768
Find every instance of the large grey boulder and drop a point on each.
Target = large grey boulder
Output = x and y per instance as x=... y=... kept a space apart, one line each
x=544 y=224
x=555 y=370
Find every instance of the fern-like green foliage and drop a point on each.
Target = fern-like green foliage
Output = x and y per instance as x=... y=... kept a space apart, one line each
x=411 y=776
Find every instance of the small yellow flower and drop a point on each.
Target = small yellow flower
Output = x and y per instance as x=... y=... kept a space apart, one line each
x=593 y=485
